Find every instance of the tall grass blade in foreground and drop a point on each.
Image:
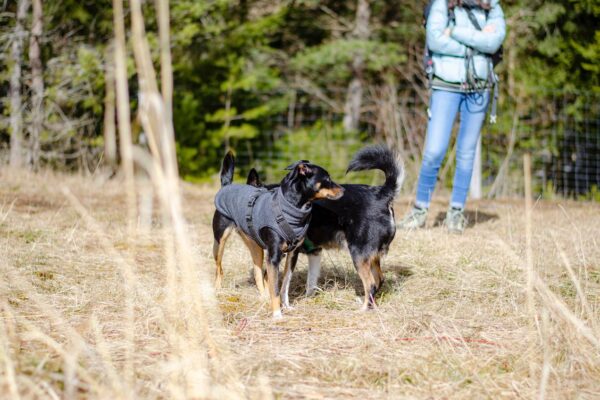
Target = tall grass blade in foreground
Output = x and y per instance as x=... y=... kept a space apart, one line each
x=130 y=337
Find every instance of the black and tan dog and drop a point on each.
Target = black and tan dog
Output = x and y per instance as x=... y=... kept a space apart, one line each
x=275 y=220
x=363 y=220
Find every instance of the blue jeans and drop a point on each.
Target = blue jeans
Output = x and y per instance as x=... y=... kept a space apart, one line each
x=444 y=106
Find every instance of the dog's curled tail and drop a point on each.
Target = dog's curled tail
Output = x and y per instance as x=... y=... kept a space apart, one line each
x=227 y=169
x=383 y=158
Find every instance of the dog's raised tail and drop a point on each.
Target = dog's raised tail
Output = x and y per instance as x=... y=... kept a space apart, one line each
x=227 y=169
x=382 y=158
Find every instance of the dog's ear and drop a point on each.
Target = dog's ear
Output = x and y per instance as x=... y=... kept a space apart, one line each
x=253 y=178
x=302 y=168
x=294 y=165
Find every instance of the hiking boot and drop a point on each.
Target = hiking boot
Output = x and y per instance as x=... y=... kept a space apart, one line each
x=456 y=221
x=415 y=219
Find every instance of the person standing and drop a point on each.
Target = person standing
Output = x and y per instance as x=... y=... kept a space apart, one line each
x=462 y=36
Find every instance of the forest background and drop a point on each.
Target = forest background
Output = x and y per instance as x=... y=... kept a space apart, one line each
x=282 y=80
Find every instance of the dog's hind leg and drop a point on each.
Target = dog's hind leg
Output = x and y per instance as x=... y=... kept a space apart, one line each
x=222 y=228
x=257 y=254
x=290 y=264
x=363 y=267
x=377 y=272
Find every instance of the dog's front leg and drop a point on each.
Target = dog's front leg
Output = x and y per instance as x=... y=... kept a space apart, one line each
x=274 y=255
x=290 y=265
x=314 y=271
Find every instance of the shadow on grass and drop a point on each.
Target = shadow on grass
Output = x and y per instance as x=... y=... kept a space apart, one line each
x=473 y=218
x=345 y=278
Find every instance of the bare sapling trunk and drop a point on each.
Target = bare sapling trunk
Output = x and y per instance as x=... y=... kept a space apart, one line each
x=16 y=115
x=37 y=82
x=355 y=88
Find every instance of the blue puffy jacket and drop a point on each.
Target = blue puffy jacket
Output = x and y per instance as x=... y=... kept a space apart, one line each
x=449 y=52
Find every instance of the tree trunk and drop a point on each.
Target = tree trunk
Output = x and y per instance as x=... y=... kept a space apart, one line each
x=166 y=68
x=16 y=116
x=110 y=136
x=123 y=111
x=355 y=89
x=37 y=82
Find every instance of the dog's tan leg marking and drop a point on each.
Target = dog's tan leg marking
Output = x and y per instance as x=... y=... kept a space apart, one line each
x=218 y=249
x=364 y=271
x=257 y=254
x=272 y=283
x=377 y=272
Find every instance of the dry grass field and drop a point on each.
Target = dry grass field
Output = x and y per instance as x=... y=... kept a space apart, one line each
x=87 y=308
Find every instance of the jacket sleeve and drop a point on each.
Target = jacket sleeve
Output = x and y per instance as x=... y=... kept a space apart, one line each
x=485 y=42
x=437 y=22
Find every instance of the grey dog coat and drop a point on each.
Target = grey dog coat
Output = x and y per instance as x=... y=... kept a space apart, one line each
x=252 y=209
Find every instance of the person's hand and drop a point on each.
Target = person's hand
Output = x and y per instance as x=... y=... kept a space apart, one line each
x=490 y=28
x=447 y=31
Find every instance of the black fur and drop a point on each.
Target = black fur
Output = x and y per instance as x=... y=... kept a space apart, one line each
x=364 y=217
x=381 y=158
x=363 y=214
x=227 y=169
x=253 y=178
x=304 y=184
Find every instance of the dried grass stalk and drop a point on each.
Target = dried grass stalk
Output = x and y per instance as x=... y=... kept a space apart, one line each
x=188 y=288
x=123 y=112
